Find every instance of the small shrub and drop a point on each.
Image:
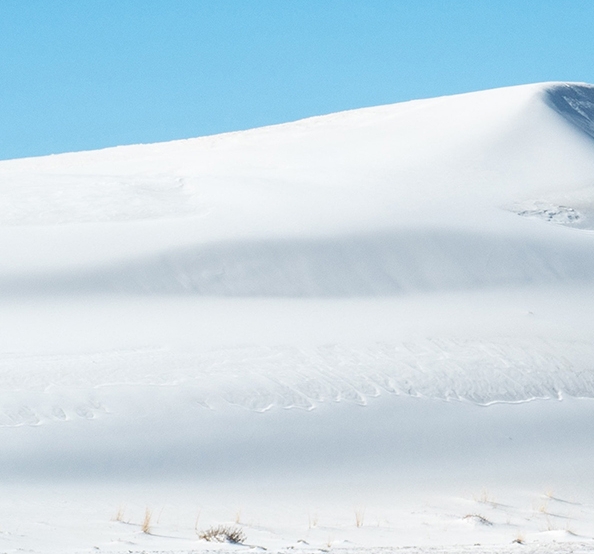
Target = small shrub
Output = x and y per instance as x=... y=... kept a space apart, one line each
x=223 y=533
x=478 y=518
x=519 y=539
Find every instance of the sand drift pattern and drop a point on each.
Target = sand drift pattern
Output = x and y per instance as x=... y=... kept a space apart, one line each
x=263 y=378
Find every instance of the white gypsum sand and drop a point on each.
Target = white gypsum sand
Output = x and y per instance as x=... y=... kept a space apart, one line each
x=364 y=330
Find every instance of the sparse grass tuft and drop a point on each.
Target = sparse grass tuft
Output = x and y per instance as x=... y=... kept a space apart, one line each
x=146 y=522
x=543 y=506
x=197 y=520
x=359 y=517
x=223 y=533
x=486 y=498
x=119 y=516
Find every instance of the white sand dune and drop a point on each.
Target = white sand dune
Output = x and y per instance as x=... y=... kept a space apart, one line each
x=382 y=316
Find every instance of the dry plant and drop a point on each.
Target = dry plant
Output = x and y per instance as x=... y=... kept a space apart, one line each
x=569 y=528
x=146 y=522
x=359 y=516
x=238 y=516
x=479 y=518
x=486 y=498
x=552 y=525
x=312 y=520
x=119 y=516
x=197 y=520
x=543 y=506
x=519 y=539
x=223 y=533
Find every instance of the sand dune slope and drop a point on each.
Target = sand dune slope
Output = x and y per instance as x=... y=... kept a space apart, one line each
x=386 y=311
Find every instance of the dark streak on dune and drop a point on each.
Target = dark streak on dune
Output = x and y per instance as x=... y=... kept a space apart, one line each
x=575 y=103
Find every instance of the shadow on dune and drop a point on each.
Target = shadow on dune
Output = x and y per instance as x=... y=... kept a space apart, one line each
x=373 y=265
x=575 y=103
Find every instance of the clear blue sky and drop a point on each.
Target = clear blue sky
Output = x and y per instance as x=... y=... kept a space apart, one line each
x=84 y=74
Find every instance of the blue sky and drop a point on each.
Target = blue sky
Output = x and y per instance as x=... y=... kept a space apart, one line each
x=84 y=74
